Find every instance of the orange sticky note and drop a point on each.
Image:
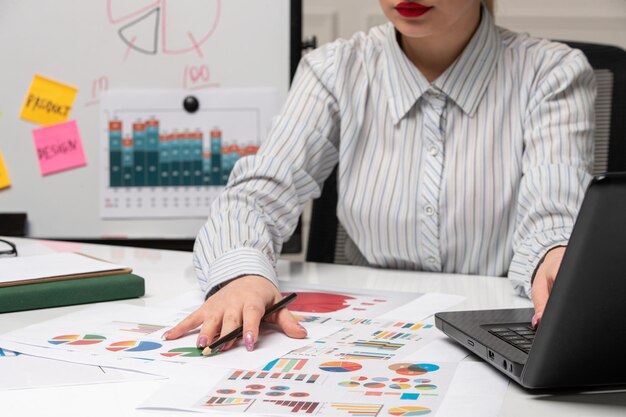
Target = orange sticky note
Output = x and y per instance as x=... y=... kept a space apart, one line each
x=59 y=147
x=48 y=102
x=5 y=181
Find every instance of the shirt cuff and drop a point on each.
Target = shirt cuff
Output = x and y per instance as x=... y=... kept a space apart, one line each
x=530 y=253
x=237 y=263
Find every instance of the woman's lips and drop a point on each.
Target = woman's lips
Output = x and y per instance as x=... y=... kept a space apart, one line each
x=407 y=9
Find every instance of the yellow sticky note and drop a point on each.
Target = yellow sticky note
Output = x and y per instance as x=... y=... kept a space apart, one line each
x=5 y=181
x=48 y=102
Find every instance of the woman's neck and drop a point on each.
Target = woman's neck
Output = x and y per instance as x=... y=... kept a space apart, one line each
x=432 y=55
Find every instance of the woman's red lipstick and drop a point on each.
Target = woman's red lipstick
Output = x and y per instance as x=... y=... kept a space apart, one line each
x=407 y=9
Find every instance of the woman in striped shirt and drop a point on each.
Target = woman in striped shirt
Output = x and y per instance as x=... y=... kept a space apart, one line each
x=460 y=147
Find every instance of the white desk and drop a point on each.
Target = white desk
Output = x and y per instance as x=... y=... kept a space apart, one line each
x=168 y=273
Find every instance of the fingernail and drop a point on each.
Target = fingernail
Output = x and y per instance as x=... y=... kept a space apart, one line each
x=164 y=335
x=202 y=342
x=248 y=340
x=535 y=320
x=302 y=328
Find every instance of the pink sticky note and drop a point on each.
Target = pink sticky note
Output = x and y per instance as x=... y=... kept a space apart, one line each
x=59 y=147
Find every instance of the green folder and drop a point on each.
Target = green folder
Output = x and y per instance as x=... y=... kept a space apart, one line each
x=70 y=291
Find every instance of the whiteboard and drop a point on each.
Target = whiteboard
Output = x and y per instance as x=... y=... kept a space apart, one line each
x=105 y=45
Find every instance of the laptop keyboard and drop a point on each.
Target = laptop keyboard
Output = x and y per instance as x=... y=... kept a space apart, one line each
x=520 y=336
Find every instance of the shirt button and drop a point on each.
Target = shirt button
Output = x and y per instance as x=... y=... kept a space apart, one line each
x=433 y=150
x=434 y=92
x=429 y=210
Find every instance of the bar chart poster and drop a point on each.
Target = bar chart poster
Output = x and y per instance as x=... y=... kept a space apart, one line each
x=168 y=154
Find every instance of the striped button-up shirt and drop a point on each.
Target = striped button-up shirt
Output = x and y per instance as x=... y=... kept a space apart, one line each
x=478 y=172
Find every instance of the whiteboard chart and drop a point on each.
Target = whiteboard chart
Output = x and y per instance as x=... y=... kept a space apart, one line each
x=143 y=23
x=160 y=160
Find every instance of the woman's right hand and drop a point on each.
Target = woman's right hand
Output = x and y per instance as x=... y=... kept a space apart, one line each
x=241 y=301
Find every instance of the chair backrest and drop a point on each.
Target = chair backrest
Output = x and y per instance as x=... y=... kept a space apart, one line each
x=327 y=237
x=609 y=64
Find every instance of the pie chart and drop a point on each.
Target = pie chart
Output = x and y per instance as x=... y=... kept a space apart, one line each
x=409 y=410
x=425 y=387
x=320 y=302
x=340 y=366
x=185 y=352
x=164 y=26
x=133 y=346
x=76 y=339
x=413 y=369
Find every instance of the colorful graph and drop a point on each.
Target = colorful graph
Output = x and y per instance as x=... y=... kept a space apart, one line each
x=396 y=336
x=133 y=346
x=340 y=366
x=141 y=328
x=311 y=319
x=358 y=410
x=226 y=391
x=315 y=349
x=266 y=390
x=228 y=402
x=425 y=387
x=365 y=322
x=285 y=364
x=303 y=407
x=365 y=355
x=150 y=157
x=413 y=369
x=264 y=375
x=409 y=410
x=76 y=339
x=185 y=352
x=4 y=352
x=411 y=326
x=378 y=344
x=320 y=302
x=382 y=386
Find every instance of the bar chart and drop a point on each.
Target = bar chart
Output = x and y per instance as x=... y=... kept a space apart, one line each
x=147 y=156
x=160 y=160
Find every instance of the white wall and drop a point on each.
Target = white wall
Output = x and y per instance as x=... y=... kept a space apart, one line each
x=600 y=21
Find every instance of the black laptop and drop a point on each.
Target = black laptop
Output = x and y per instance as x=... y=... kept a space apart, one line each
x=581 y=341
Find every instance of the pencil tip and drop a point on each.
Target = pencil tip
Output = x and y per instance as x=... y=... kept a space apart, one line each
x=211 y=352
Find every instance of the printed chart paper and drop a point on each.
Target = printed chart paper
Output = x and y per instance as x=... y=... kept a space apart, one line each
x=343 y=302
x=343 y=388
x=27 y=372
x=129 y=337
x=376 y=365
x=59 y=148
x=48 y=102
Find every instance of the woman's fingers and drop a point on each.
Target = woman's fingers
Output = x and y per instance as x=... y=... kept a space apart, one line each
x=288 y=323
x=190 y=322
x=252 y=313
x=242 y=302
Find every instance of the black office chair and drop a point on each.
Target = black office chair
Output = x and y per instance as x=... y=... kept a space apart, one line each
x=327 y=237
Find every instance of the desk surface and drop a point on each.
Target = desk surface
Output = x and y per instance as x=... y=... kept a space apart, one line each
x=168 y=273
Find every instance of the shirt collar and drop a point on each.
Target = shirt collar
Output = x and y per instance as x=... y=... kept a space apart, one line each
x=465 y=81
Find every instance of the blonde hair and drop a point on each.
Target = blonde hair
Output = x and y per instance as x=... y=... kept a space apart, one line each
x=489 y=5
